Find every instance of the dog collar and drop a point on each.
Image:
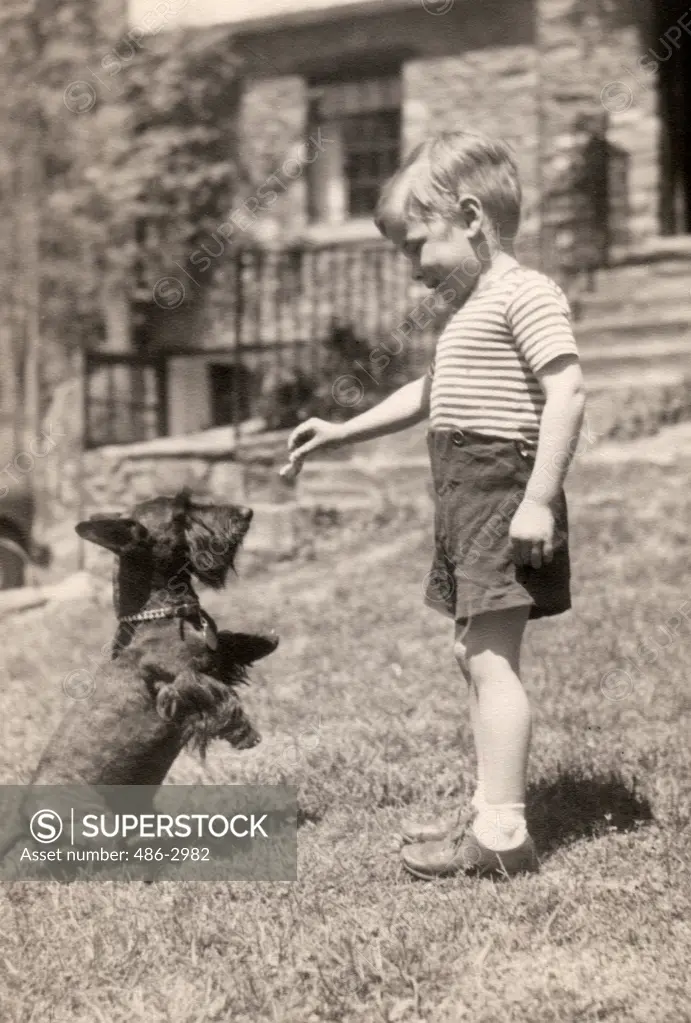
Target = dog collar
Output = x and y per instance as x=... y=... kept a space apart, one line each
x=192 y=613
x=177 y=611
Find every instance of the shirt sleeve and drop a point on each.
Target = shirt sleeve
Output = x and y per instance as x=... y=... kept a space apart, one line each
x=539 y=318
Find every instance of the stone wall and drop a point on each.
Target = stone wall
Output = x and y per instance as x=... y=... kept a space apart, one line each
x=215 y=465
x=537 y=72
x=475 y=68
x=491 y=90
x=528 y=71
x=273 y=119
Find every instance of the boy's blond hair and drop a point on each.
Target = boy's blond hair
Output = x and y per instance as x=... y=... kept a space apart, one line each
x=441 y=169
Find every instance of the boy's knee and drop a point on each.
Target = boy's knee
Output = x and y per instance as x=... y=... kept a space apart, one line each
x=467 y=651
x=477 y=667
x=482 y=663
x=460 y=652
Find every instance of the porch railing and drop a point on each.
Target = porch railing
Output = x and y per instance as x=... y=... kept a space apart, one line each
x=297 y=293
x=288 y=324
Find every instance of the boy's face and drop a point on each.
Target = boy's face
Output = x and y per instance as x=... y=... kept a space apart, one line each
x=439 y=251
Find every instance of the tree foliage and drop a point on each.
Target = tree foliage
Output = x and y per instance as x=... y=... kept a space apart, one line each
x=136 y=147
x=170 y=181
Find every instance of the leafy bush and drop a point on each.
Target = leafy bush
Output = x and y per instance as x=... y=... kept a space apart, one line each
x=172 y=180
x=354 y=375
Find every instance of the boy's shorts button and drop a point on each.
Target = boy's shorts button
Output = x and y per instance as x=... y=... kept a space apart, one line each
x=457 y=437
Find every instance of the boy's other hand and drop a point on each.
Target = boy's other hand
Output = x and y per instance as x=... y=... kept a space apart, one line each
x=311 y=435
x=532 y=534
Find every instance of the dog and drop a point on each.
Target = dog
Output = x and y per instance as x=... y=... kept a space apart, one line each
x=173 y=677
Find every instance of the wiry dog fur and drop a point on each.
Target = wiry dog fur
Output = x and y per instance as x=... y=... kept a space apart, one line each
x=172 y=681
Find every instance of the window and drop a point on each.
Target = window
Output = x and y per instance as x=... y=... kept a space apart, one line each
x=370 y=149
x=360 y=122
x=125 y=398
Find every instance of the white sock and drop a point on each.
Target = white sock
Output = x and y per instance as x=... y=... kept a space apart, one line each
x=501 y=826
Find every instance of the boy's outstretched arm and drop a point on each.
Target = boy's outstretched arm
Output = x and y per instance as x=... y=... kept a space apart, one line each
x=405 y=407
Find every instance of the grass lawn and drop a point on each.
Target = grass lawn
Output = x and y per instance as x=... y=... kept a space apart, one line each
x=363 y=709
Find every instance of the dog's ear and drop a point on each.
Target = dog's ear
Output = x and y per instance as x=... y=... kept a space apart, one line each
x=115 y=534
x=245 y=648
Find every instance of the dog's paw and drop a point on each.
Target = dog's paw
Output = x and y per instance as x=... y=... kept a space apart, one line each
x=248 y=741
x=241 y=734
x=245 y=648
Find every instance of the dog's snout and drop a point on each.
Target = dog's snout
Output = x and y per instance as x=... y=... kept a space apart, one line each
x=245 y=514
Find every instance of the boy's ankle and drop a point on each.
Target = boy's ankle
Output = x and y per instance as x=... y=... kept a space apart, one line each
x=501 y=826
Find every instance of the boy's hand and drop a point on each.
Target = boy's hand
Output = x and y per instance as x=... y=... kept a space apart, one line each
x=311 y=435
x=532 y=534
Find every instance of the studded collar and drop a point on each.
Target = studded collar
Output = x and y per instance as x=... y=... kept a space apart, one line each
x=191 y=612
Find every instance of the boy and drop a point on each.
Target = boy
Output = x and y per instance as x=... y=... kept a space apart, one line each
x=504 y=396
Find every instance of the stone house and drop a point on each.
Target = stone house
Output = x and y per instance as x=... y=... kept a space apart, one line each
x=377 y=77
x=595 y=96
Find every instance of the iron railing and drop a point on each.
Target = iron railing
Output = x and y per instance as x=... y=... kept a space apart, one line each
x=287 y=324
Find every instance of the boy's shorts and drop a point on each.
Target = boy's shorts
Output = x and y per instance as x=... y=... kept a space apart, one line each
x=479 y=483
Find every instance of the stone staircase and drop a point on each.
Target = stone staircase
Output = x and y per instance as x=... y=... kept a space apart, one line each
x=634 y=324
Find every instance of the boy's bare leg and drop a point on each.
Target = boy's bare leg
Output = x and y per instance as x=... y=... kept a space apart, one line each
x=478 y=799
x=488 y=651
x=497 y=840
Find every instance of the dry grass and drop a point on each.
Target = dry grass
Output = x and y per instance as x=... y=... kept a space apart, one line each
x=362 y=707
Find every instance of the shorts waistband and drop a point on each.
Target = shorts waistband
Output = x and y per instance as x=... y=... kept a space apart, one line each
x=461 y=438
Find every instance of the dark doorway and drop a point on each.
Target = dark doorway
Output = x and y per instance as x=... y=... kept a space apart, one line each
x=671 y=50
x=230 y=393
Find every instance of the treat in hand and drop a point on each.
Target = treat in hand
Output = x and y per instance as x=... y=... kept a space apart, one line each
x=290 y=471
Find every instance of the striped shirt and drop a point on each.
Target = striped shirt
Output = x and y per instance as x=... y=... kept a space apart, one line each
x=484 y=372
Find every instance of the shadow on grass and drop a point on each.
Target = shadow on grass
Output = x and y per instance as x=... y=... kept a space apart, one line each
x=571 y=806
x=308 y=817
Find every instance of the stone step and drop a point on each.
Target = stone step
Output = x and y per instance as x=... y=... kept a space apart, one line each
x=634 y=274
x=652 y=296
x=664 y=333
x=637 y=365
x=657 y=280
x=636 y=378
x=676 y=367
